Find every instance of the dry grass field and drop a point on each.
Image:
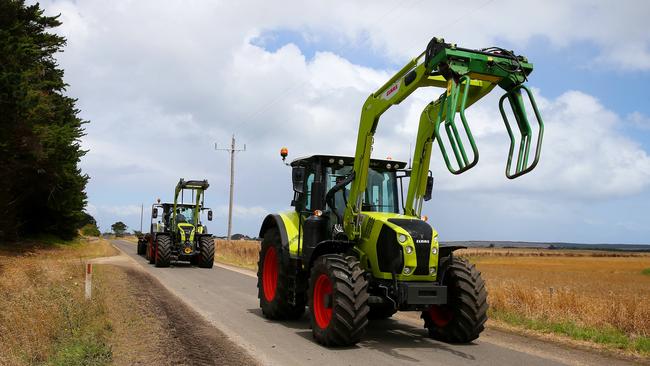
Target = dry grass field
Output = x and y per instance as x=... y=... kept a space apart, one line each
x=595 y=296
x=44 y=316
x=602 y=297
x=243 y=253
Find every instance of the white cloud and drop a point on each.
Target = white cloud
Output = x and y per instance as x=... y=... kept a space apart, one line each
x=161 y=84
x=127 y=210
x=241 y=211
x=584 y=155
x=639 y=120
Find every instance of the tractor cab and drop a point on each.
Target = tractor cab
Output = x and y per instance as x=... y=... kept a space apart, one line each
x=321 y=182
x=186 y=216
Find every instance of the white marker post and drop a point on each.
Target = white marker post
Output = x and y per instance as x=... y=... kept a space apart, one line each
x=89 y=278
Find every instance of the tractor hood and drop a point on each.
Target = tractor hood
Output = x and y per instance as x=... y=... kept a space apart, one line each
x=400 y=244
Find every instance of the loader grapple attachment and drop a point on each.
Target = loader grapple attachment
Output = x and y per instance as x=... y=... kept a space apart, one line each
x=469 y=75
x=515 y=99
x=447 y=112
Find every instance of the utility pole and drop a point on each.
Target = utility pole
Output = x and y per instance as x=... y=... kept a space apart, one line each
x=141 y=215
x=231 y=150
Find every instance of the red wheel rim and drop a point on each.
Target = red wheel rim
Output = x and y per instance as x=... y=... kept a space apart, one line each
x=322 y=292
x=270 y=274
x=440 y=315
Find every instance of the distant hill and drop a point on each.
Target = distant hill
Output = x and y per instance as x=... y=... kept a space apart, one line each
x=550 y=245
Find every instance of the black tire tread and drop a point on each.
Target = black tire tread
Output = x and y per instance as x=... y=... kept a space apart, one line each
x=142 y=247
x=206 y=256
x=350 y=300
x=279 y=308
x=467 y=298
x=164 y=251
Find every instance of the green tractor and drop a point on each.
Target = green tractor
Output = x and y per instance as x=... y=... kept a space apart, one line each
x=354 y=248
x=180 y=235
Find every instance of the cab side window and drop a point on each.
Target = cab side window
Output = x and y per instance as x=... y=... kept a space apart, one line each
x=307 y=196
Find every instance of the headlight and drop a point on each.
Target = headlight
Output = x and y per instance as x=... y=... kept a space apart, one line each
x=401 y=238
x=434 y=250
x=409 y=249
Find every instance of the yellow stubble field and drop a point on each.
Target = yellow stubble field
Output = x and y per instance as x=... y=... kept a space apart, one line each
x=590 y=295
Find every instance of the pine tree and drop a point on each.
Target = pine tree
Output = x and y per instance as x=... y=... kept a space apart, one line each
x=41 y=185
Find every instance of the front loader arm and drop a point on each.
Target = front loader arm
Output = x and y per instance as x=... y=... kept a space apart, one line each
x=429 y=124
x=393 y=92
x=468 y=75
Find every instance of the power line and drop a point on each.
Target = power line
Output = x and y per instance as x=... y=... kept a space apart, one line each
x=231 y=150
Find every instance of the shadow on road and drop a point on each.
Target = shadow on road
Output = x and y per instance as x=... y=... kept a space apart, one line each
x=387 y=336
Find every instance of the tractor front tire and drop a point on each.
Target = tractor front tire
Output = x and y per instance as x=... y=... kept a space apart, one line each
x=338 y=300
x=206 y=256
x=463 y=318
x=163 y=251
x=273 y=281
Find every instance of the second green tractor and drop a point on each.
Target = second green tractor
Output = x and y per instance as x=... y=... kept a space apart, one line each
x=180 y=235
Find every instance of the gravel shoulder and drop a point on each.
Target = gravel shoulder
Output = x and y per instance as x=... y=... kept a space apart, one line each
x=152 y=326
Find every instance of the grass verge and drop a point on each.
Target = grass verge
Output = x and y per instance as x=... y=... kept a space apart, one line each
x=45 y=318
x=609 y=337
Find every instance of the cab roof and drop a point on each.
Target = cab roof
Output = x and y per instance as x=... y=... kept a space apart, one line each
x=347 y=160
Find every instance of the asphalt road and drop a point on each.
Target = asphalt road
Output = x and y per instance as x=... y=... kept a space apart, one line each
x=227 y=297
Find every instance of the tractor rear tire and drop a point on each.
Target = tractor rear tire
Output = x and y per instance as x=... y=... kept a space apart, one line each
x=273 y=281
x=164 y=251
x=206 y=257
x=151 y=252
x=338 y=300
x=463 y=318
x=142 y=247
x=381 y=311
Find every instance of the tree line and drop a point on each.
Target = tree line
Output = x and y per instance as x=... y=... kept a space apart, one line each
x=42 y=188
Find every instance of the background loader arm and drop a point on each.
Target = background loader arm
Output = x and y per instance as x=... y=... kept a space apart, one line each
x=198 y=186
x=467 y=75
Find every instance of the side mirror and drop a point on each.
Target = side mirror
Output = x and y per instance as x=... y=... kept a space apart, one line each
x=210 y=215
x=154 y=213
x=429 y=189
x=298 y=179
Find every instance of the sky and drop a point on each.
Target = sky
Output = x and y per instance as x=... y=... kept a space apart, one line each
x=161 y=82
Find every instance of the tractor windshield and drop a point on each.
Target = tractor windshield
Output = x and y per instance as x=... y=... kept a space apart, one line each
x=381 y=191
x=185 y=214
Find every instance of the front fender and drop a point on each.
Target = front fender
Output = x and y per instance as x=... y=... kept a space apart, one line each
x=288 y=226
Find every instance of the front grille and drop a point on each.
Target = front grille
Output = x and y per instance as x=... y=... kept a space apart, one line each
x=422 y=254
x=389 y=252
x=421 y=232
